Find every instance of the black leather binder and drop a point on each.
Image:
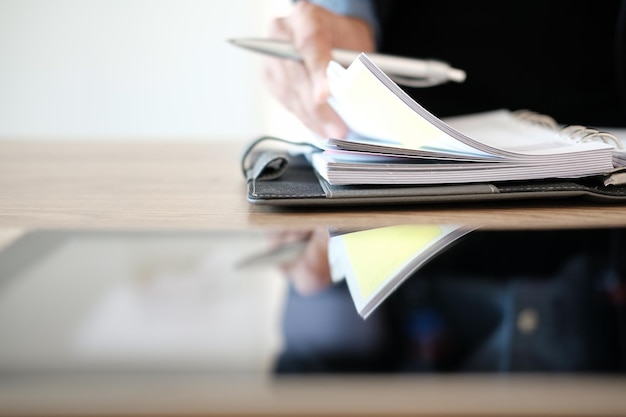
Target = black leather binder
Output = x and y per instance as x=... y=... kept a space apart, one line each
x=280 y=179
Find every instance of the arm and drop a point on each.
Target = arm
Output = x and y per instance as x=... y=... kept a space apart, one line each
x=314 y=30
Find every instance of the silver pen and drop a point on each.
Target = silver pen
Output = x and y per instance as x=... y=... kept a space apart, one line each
x=406 y=71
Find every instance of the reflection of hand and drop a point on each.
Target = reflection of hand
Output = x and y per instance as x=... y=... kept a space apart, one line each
x=310 y=272
x=302 y=87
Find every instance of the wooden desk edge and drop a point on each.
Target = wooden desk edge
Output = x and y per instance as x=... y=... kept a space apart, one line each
x=360 y=395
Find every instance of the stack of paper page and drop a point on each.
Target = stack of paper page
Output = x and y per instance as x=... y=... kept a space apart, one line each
x=394 y=140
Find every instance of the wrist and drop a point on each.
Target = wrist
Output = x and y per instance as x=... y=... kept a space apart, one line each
x=363 y=10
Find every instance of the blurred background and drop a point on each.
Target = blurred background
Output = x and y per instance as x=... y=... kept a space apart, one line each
x=138 y=70
x=134 y=70
x=77 y=301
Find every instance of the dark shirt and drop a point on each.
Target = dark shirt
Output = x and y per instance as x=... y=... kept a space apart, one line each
x=518 y=301
x=565 y=58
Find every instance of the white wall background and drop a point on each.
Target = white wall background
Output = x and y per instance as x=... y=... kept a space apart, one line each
x=134 y=69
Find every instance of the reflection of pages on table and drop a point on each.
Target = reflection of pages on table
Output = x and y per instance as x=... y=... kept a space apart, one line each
x=394 y=140
x=375 y=262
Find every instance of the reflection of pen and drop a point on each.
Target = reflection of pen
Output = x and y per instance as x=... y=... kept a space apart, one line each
x=406 y=71
x=286 y=252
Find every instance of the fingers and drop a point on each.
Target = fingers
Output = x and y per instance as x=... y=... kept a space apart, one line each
x=302 y=87
x=313 y=39
x=290 y=83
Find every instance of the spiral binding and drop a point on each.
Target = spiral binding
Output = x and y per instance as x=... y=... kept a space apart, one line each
x=537 y=119
x=577 y=133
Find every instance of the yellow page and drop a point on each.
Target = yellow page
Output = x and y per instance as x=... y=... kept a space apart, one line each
x=371 y=110
x=378 y=253
x=377 y=115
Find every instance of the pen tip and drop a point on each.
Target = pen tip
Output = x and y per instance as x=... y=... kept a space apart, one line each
x=457 y=75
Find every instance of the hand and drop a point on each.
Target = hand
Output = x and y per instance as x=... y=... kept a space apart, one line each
x=303 y=87
x=310 y=272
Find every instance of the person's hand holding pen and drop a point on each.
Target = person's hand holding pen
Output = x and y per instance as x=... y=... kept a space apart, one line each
x=302 y=87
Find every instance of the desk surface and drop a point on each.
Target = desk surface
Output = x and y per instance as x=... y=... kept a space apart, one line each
x=317 y=396
x=200 y=186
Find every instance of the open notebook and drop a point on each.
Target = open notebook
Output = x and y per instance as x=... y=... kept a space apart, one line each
x=394 y=140
x=398 y=152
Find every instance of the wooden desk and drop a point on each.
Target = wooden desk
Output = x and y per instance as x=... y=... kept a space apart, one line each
x=199 y=186
x=199 y=395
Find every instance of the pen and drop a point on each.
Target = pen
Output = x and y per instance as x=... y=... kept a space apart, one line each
x=406 y=71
